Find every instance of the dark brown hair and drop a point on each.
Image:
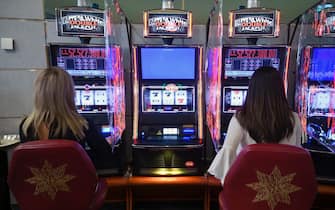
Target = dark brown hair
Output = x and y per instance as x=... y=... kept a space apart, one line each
x=266 y=114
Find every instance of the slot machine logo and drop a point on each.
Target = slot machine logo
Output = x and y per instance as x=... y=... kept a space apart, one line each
x=263 y=24
x=168 y=23
x=80 y=23
x=254 y=23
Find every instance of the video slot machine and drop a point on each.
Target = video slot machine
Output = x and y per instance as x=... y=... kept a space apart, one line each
x=315 y=87
x=320 y=93
x=238 y=65
x=167 y=126
x=315 y=103
x=96 y=97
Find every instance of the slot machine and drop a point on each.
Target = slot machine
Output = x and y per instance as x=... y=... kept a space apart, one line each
x=231 y=66
x=167 y=100
x=315 y=102
x=320 y=93
x=317 y=82
x=315 y=87
x=238 y=65
x=99 y=94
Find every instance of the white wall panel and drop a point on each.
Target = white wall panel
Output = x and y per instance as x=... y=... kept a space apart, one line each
x=29 y=44
x=26 y=9
x=16 y=97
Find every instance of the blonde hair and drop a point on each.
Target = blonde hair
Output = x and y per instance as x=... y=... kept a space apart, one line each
x=54 y=105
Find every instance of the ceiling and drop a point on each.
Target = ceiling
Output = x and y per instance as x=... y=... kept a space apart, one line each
x=133 y=9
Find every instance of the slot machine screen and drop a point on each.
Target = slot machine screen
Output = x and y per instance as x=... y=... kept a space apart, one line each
x=233 y=98
x=321 y=66
x=87 y=97
x=159 y=99
x=91 y=100
x=168 y=62
x=80 y=61
x=322 y=102
x=241 y=62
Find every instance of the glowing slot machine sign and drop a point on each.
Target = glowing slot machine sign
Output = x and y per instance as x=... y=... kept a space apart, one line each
x=80 y=21
x=254 y=22
x=167 y=23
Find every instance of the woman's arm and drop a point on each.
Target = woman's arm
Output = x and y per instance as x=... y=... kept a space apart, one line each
x=101 y=152
x=226 y=156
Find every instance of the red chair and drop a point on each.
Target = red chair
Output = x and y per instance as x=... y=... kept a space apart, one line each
x=270 y=177
x=55 y=175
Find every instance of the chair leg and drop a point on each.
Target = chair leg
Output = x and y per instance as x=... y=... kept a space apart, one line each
x=129 y=199
x=207 y=200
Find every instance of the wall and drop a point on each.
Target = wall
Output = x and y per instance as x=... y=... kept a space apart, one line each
x=23 y=22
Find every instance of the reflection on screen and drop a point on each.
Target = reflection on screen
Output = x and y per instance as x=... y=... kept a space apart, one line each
x=168 y=63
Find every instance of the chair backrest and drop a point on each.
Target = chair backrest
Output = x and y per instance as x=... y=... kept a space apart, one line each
x=52 y=175
x=270 y=177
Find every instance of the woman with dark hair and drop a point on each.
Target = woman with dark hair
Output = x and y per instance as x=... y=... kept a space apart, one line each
x=264 y=118
x=54 y=116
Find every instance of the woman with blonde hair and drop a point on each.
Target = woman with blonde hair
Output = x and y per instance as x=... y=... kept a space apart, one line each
x=54 y=115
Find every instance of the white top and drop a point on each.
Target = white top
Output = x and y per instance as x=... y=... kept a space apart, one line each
x=237 y=138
